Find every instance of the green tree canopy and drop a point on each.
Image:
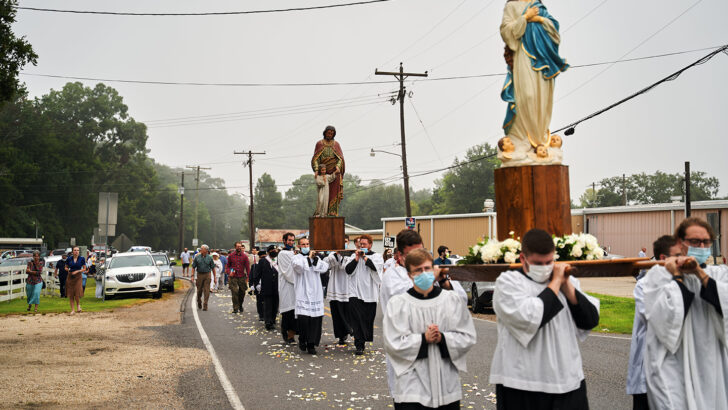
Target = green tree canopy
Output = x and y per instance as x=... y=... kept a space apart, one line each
x=463 y=189
x=268 y=203
x=15 y=52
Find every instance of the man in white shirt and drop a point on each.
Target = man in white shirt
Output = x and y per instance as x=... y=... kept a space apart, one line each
x=185 y=256
x=537 y=362
x=664 y=247
x=686 y=360
x=364 y=269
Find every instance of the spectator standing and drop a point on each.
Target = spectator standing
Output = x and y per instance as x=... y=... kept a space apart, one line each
x=203 y=266
x=238 y=268
x=216 y=273
x=185 y=257
x=444 y=253
x=224 y=275
x=75 y=266
x=642 y=253
x=34 y=281
x=664 y=247
x=61 y=273
x=427 y=335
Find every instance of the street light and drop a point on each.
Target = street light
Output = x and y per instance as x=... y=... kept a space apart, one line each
x=372 y=152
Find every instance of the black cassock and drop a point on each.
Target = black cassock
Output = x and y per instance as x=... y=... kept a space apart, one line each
x=268 y=291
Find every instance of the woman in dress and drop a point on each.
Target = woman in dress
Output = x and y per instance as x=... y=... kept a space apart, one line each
x=34 y=281
x=76 y=266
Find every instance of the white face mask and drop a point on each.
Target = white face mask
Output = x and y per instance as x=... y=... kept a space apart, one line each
x=540 y=273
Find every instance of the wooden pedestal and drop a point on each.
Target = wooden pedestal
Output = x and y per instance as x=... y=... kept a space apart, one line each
x=530 y=197
x=326 y=234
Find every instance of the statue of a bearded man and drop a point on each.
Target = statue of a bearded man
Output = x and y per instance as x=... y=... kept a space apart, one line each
x=328 y=153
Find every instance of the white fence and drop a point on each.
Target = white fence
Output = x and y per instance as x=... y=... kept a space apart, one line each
x=12 y=283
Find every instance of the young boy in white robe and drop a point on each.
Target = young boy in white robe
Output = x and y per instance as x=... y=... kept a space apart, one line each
x=664 y=247
x=686 y=359
x=307 y=268
x=542 y=315
x=338 y=295
x=427 y=334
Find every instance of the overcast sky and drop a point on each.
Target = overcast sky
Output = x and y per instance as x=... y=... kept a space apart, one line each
x=682 y=120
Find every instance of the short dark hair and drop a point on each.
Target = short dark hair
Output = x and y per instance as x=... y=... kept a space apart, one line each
x=441 y=249
x=287 y=234
x=687 y=223
x=406 y=238
x=537 y=241
x=346 y=236
x=662 y=245
x=417 y=257
x=302 y=238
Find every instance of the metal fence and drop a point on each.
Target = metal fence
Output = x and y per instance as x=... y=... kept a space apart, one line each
x=12 y=283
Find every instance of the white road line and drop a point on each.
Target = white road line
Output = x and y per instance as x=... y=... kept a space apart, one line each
x=226 y=385
x=590 y=334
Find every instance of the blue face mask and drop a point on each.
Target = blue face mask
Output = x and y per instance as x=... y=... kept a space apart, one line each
x=305 y=251
x=287 y=247
x=424 y=280
x=700 y=254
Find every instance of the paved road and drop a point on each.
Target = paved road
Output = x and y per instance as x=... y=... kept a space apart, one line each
x=267 y=374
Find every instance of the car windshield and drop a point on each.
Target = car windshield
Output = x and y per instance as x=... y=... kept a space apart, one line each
x=162 y=258
x=16 y=262
x=130 y=261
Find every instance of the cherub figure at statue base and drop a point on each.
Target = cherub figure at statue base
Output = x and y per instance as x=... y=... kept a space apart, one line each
x=322 y=185
x=512 y=154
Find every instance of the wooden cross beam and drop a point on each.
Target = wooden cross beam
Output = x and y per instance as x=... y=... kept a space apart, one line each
x=581 y=269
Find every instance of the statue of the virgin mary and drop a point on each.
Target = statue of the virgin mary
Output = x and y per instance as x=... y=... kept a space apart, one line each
x=532 y=40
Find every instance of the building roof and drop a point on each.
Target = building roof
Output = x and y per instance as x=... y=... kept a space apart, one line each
x=276 y=235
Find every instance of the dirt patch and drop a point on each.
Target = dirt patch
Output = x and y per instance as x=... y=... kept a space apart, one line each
x=100 y=360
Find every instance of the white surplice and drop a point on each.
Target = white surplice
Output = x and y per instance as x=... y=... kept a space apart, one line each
x=309 y=292
x=286 y=280
x=528 y=357
x=432 y=381
x=365 y=281
x=636 y=383
x=338 y=287
x=686 y=360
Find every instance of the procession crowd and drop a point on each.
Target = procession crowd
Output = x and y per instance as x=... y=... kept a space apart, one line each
x=678 y=357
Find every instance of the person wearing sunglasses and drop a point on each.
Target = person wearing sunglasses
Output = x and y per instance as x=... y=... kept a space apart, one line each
x=685 y=358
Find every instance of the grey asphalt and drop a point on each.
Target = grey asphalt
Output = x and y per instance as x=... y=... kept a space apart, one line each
x=268 y=374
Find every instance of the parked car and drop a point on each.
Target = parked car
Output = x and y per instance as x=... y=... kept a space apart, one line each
x=19 y=261
x=132 y=273
x=165 y=268
x=140 y=249
x=57 y=252
x=15 y=253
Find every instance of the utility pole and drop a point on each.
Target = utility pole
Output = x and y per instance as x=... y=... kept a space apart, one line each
x=624 y=190
x=249 y=163
x=401 y=75
x=197 y=196
x=687 y=189
x=594 y=194
x=182 y=213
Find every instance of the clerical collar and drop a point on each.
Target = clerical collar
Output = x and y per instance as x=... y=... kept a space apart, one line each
x=436 y=290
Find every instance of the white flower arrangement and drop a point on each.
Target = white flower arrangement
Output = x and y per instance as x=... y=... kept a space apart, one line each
x=490 y=250
x=580 y=246
x=568 y=248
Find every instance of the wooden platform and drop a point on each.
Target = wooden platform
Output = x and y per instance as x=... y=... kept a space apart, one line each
x=326 y=234
x=530 y=197
x=584 y=269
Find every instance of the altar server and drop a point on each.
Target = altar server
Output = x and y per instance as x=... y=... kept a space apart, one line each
x=537 y=362
x=427 y=334
x=663 y=248
x=338 y=295
x=286 y=289
x=686 y=360
x=307 y=269
x=365 y=270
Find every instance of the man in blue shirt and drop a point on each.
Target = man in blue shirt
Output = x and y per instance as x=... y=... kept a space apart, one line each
x=444 y=253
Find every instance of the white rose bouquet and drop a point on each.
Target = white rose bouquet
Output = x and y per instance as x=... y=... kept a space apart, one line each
x=577 y=247
x=490 y=250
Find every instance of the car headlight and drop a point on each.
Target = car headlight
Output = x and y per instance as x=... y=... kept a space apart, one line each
x=110 y=277
x=167 y=273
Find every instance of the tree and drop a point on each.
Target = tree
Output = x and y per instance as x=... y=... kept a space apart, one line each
x=464 y=188
x=654 y=188
x=268 y=203
x=300 y=202
x=14 y=52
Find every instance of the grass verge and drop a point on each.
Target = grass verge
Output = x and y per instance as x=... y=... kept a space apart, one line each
x=89 y=303
x=616 y=314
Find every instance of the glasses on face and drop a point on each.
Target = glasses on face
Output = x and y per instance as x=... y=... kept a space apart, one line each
x=695 y=242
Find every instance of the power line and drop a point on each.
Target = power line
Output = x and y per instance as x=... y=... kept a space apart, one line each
x=323 y=84
x=209 y=13
x=570 y=128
